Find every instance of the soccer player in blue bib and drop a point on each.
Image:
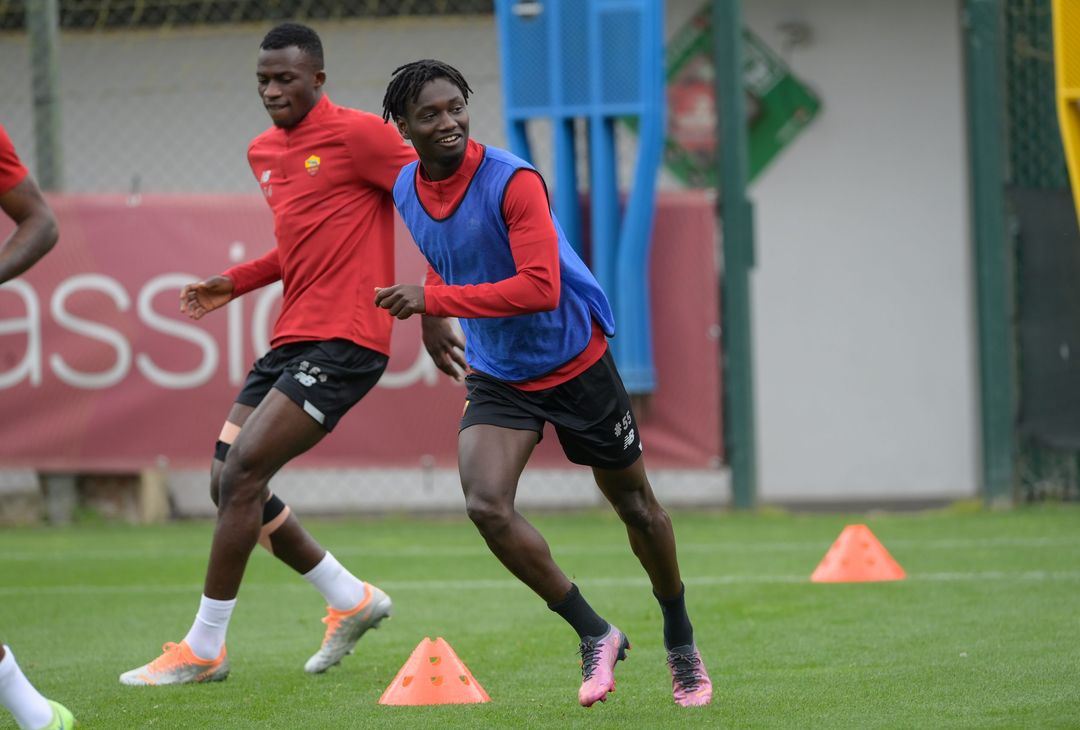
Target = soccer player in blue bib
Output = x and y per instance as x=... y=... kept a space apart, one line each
x=536 y=325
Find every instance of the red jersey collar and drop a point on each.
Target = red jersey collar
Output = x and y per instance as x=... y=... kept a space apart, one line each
x=474 y=155
x=317 y=112
x=440 y=198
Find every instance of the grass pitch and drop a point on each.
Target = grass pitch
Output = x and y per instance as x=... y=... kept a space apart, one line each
x=982 y=634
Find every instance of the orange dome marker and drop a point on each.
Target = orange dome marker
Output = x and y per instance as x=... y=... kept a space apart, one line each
x=433 y=675
x=857 y=556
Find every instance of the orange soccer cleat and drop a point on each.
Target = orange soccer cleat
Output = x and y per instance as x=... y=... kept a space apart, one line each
x=344 y=628
x=179 y=665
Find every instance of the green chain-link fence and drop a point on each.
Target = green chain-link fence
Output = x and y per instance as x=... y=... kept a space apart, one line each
x=1036 y=162
x=126 y=14
x=1035 y=153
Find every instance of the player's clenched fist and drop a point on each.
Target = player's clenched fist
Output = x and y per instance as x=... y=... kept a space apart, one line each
x=402 y=300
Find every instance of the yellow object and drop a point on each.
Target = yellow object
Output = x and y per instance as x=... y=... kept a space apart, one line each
x=1067 y=80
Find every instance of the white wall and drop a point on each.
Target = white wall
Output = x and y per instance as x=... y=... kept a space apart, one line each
x=862 y=296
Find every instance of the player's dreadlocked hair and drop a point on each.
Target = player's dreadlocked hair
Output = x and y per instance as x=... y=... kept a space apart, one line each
x=294 y=34
x=410 y=79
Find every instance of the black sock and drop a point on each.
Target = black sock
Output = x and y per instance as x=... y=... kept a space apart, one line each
x=579 y=614
x=677 y=628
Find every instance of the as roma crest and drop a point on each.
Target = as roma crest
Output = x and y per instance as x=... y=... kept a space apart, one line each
x=311 y=164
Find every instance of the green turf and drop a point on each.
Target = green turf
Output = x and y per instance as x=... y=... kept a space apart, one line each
x=982 y=634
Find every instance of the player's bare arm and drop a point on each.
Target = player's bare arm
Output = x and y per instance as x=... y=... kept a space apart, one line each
x=35 y=229
x=200 y=297
x=445 y=346
x=402 y=300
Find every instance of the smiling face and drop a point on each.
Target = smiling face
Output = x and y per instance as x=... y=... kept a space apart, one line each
x=437 y=124
x=289 y=84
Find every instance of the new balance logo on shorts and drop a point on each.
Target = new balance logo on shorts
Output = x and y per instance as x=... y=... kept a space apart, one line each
x=624 y=427
x=309 y=375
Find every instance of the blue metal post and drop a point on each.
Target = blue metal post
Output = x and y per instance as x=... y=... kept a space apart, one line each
x=604 y=197
x=567 y=202
x=634 y=351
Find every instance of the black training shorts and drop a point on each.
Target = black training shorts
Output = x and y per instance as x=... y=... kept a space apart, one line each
x=326 y=378
x=591 y=413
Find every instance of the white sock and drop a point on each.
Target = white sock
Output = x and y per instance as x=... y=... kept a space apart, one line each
x=30 y=708
x=341 y=589
x=207 y=634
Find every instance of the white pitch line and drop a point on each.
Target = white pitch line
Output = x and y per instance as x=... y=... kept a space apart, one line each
x=508 y=583
x=619 y=548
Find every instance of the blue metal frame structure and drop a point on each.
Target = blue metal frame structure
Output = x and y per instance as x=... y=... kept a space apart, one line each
x=598 y=61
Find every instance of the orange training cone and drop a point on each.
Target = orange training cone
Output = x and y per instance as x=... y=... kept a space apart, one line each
x=857 y=556
x=433 y=675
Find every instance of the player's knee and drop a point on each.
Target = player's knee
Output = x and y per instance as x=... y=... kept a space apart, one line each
x=489 y=515
x=642 y=515
x=241 y=479
x=242 y=494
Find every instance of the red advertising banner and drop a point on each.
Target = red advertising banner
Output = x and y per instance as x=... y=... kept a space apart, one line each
x=99 y=371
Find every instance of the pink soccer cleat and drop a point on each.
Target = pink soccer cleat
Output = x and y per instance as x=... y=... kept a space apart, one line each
x=598 y=657
x=690 y=683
